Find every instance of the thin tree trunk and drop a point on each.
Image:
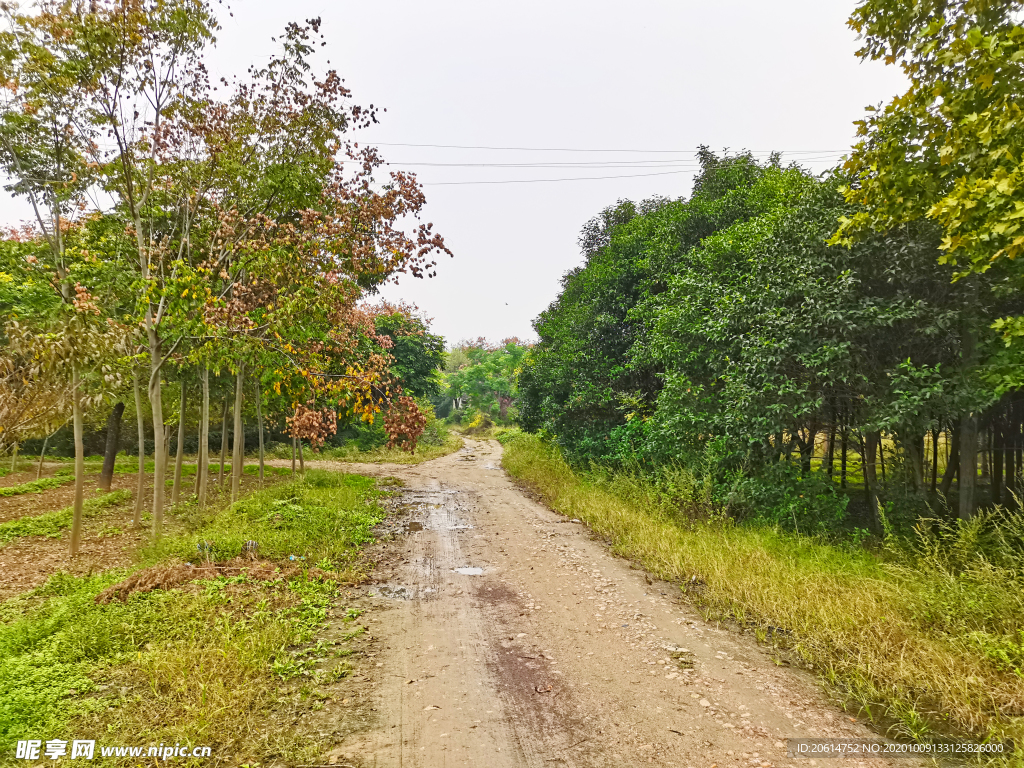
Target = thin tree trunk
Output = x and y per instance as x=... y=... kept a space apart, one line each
x=293 y=457
x=844 y=434
x=935 y=458
x=1012 y=468
x=42 y=453
x=167 y=447
x=160 y=436
x=14 y=458
x=302 y=464
x=76 y=519
x=259 y=421
x=953 y=463
x=871 y=441
x=238 y=451
x=997 y=462
x=968 y=465
x=110 y=449
x=223 y=442
x=179 y=457
x=203 y=458
x=140 y=486
x=830 y=454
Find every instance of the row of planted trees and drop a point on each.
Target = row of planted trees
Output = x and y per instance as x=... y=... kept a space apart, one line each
x=183 y=227
x=725 y=332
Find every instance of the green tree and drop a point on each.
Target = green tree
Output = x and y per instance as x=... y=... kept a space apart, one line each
x=950 y=148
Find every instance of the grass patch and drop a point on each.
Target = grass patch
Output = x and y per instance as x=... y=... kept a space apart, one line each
x=53 y=524
x=200 y=665
x=322 y=520
x=36 y=486
x=351 y=453
x=926 y=638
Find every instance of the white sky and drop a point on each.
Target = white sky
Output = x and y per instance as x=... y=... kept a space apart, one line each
x=643 y=75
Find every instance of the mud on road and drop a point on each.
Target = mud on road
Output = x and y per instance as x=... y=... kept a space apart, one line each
x=507 y=636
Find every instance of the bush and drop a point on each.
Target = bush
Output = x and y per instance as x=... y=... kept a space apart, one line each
x=781 y=495
x=436 y=431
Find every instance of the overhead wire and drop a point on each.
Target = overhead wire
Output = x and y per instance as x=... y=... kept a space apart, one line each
x=685 y=161
x=579 y=149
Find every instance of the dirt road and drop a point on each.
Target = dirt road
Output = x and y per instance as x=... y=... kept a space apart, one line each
x=509 y=637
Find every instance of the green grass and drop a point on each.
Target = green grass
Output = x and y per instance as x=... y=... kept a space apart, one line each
x=200 y=665
x=927 y=638
x=53 y=524
x=36 y=486
x=351 y=453
x=324 y=517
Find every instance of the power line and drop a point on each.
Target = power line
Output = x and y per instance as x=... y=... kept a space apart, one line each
x=612 y=164
x=577 y=149
x=688 y=164
x=538 y=181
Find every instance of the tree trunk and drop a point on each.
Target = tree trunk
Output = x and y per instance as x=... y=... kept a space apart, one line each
x=42 y=453
x=203 y=457
x=259 y=423
x=238 y=451
x=968 y=465
x=997 y=463
x=160 y=436
x=952 y=463
x=223 y=442
x=76 y=417
x=179 y=457
x=293 y=457
x=302 y=464
x=843 y=437
x=871 y=442
x=915 y=453
x=935 y=458
x=140 y=486
x=1011 y=469
x=831 y=452
x=806 y=450
x=14 y=458
x=110 y=449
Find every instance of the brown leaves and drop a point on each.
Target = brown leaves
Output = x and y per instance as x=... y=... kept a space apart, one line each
x=312 y=425
x=404 y=424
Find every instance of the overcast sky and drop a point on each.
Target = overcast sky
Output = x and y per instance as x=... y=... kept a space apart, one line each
x=661 y=76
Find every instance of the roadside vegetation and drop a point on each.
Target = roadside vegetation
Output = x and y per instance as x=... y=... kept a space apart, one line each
x=800 y=396
x=479 y=391
x=194 y=643
x=925 y=637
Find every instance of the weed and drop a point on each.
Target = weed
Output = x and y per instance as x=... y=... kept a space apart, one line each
x=198 y=664
x=53 y=524
x=928 y=634
x=35 y=486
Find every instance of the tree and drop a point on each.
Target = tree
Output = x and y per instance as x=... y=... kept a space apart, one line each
x=950 y=148
x=418 y=354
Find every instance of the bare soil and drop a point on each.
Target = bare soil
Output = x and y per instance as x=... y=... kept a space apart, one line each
x=109 y=539
x=504 y=635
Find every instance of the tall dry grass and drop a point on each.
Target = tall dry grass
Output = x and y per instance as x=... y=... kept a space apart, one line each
x=925 y=640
